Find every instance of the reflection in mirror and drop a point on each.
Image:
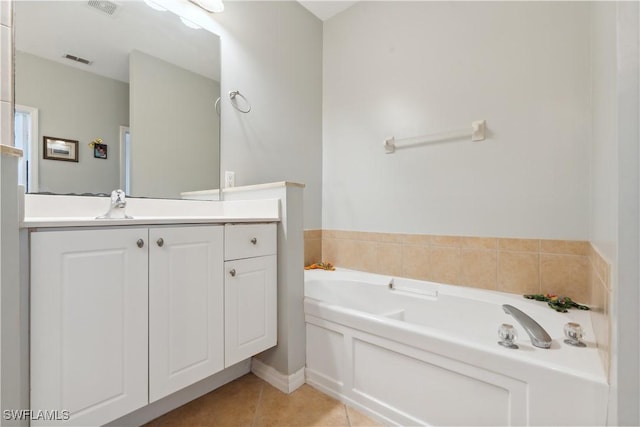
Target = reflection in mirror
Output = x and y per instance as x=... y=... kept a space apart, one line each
x=136 y=78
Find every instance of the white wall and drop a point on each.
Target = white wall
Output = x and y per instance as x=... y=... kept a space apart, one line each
x=603 y=231
x=175 y=144
x=78 y=105
x=14 y=367
x=615 y=183
x=412 y=68
x=626 y=331
x=272 y=53
x=604 y=155
x=14 y=332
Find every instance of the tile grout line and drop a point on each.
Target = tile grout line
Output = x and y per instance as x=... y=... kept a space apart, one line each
x=346 y=411
x=258 y=404
x=540 y=268
x=497 y=268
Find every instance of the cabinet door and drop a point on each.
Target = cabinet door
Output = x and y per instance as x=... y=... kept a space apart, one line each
x=89 y=324
x=250 y=294
x=185 y=307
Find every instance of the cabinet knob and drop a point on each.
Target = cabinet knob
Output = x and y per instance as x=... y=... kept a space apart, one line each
x=140 y=243
x=254 y=240
x=233 y=273
x=160 y=242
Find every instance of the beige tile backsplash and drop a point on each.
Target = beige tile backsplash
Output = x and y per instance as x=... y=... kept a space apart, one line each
x=520 y=266
x=312 y=246
x=510 y=265
x=519 y=272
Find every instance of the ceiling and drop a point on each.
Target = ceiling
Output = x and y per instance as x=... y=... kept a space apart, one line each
x=325 y=9
x=51 y=29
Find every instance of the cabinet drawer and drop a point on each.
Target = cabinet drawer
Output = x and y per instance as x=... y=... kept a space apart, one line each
x=249 y=240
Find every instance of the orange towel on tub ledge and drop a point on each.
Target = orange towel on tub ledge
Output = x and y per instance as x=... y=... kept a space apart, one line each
x=320 y=266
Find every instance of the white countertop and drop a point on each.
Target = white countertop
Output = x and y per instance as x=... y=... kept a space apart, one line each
x=42 y=211
x=44 y=222
x=214 y=194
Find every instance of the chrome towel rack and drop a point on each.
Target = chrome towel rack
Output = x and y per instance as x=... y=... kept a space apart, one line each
x=477 y=133
x=236 y=93
x=232 y=96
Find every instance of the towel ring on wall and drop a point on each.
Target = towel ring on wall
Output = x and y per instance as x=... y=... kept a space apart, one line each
x=232 y=96
x=217 y=106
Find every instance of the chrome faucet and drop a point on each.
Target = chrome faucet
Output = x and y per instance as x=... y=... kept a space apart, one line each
x=539 y=337
x=118 y=199
x=117 y=207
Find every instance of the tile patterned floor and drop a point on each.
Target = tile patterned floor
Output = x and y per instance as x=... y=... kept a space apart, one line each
x=251 y=402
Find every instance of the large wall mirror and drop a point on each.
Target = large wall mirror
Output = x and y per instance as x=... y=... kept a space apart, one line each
x=115 y=95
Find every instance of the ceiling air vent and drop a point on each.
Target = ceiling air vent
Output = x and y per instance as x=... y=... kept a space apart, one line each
x=78 y=59
x=107 y=7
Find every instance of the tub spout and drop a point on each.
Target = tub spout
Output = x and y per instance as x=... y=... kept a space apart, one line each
x=539 y=337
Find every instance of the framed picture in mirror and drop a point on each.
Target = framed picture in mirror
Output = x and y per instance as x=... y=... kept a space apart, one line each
x=100 y=151
x=60 y=149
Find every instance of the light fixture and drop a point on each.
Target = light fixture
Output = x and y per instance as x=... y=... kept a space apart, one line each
x=212 y=6
x=155 y=6
x=190 y=24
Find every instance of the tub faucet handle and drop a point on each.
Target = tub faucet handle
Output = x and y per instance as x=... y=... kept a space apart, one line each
x=573 y=332
x=507 y=335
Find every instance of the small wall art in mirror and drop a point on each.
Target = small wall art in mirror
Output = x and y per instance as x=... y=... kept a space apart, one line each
x=100 y=151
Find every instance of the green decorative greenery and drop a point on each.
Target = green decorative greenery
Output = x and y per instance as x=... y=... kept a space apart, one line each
x=558 y=303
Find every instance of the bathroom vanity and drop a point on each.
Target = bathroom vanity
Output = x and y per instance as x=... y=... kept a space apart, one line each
x=124 y=315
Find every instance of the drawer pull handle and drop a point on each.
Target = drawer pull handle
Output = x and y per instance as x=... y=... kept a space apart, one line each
x=254 y=240
x=160 y=242
x=233 y=273
x=140 y=243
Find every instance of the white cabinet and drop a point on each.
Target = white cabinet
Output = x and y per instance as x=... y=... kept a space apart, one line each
x=89 y=323
x=185 y=307
x=250 y=290
x=123 y=317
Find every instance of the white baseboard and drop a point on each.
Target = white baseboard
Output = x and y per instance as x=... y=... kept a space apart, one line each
x=284 y=383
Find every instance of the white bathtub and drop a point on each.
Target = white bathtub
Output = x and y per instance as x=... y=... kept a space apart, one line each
x=426 y=354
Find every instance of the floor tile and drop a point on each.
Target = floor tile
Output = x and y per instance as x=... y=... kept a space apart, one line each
x=215 y=408
x=251 y=402
x=236 y=403
x=357 y=419
x=304 y=407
